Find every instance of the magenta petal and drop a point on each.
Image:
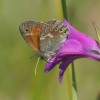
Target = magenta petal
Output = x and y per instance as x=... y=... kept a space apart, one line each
x=90 y=46
x=71 y=46
x=52 y=63
x=64 y=65
x=92 y=55
x=85 y=40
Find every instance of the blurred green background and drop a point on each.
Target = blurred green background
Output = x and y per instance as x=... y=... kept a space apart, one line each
x=17 y=79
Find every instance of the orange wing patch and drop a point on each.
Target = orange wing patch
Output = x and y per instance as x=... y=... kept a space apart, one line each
x=35 y=37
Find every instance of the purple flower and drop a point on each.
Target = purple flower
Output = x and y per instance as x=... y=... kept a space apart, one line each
x=77 y=45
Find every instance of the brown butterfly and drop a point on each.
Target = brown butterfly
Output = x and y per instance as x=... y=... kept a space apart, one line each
x=44 y=37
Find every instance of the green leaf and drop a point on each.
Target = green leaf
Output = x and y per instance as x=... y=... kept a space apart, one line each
x=97 y=31
x=74 y=94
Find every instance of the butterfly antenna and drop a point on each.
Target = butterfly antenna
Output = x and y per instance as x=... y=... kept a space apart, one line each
x=50 y=58
x=37 y=64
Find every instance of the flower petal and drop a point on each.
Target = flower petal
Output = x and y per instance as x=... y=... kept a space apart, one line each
x=71 y=46
x=64 y=65
x=86 y=41
x=52 y=63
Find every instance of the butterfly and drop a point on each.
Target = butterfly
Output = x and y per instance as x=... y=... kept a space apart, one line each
x=44 y=37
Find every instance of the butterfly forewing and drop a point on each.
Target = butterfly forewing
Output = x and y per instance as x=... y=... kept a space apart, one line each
x=30 y=31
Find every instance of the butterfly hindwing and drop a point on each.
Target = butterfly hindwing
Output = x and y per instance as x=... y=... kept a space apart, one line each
x=51 y=38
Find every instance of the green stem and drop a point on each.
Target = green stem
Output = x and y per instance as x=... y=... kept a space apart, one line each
x=73 y=76
x=65 y=14
x=64 y=9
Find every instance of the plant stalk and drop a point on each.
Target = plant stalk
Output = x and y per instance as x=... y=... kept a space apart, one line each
x=65 y=14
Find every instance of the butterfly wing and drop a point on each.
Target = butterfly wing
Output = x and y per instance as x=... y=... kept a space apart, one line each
x=44 y=37
x=30 y=31
x=52 y=36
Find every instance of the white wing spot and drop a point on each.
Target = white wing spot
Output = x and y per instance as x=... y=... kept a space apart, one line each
x=50 y=35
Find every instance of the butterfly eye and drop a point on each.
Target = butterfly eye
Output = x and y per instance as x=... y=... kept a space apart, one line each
x=26 y=29
x=60 y=30
x=66 y=31
x=42 y=35
x=56 y=29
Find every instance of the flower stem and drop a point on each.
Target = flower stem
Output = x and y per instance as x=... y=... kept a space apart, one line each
x=64 y=9
x=65 y=14
x=73 y=77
